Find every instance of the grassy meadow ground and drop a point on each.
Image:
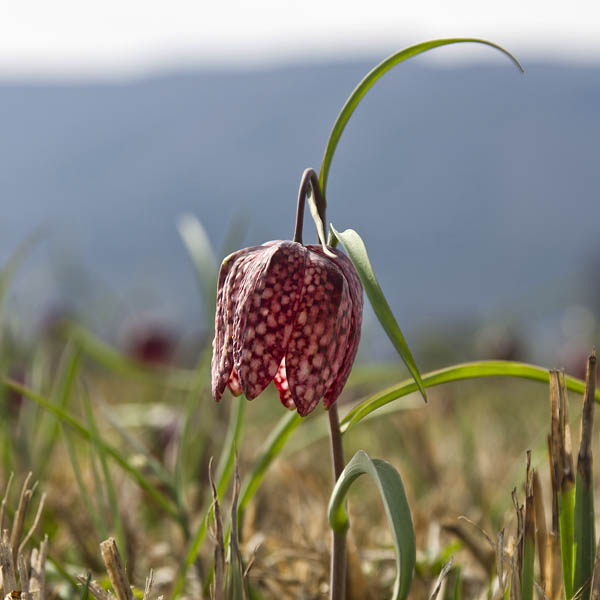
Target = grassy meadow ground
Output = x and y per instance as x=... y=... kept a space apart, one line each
x=122 y=448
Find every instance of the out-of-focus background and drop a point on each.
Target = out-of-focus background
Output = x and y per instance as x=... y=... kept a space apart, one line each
x=132 y=131
x=475 y=188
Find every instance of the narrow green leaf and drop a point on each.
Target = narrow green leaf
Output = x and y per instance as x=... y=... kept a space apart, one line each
x=461 y=372
x=193 y=439
x=85 y=593
x=268 y=453
x=566 y=506
x=98 y=523
x=454 y=591
x=391 y=489
x=67 y=376
x=236 y=586
x=365 y=85
x=55 y=568
x=585 y=537
x=585 y=530
x=100 y=493
x=566 y=479
x=13 y=264
x=231 y=445
x=99 y=447
x=527 y=581
x=198 y=245
x=166 y=478
x=270 y=450
x=355 y=248
x=528 y=541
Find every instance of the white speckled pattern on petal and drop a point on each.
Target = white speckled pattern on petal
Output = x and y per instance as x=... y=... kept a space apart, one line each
x=267 y=311
x=313 y=356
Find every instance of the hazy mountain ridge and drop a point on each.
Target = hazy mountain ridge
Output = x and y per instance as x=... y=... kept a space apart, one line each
x=470 y=186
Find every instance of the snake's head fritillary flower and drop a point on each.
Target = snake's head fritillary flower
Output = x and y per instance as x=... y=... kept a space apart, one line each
x=286 y=313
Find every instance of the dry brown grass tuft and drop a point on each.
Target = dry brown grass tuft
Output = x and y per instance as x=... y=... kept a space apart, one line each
x=22 y=575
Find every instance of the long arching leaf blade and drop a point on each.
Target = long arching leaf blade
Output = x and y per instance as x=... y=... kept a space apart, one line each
x=355 y=248
x=369 y=80
x=474 y=370
x=391 y=489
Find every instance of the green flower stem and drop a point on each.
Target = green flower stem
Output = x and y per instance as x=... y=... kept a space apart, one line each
x=337 y=589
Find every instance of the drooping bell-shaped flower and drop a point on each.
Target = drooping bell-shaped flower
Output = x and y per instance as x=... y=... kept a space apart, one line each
x=286 y=313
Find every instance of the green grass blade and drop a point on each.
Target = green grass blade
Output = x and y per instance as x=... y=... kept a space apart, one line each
x=454 y=584
x=158 y=469
x=461 y=372
x=585 y=536
x=99 y=447
x=99 y=488
x=62 y=571
x=13 y=264
x=365 y=85
x=85 y=593
x=66 y=378
x=585 y=531
x=527 y=568
x=566 y=506
x=99 y=525
x=391 y=489
x=160 y=498
x=224 y=472
x=566 y=479
x=193 y=439
x=192 y=442
x=201 y=252
x=236 y=585
x=231 y=445
x=269 y=452
x=355 y=248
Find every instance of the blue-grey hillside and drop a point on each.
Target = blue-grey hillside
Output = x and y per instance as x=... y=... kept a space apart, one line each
x=476 y=189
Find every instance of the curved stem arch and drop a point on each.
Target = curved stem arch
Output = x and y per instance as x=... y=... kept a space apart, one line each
x=365 y=85
x=308 y=184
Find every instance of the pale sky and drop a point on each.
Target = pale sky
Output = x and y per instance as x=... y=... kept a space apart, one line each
x=122 y=37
